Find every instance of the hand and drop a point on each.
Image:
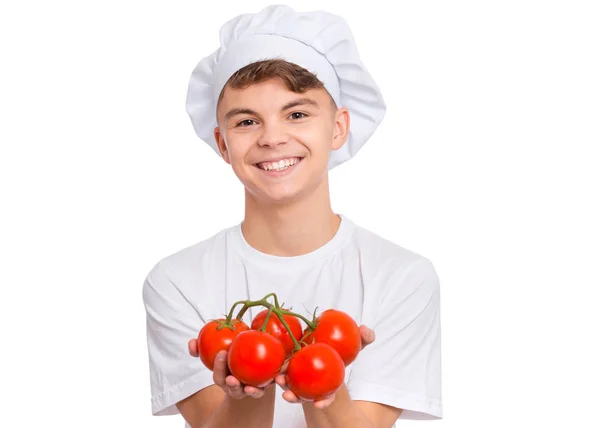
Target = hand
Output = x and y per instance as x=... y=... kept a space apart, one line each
x=368 y=337
x=223 y=378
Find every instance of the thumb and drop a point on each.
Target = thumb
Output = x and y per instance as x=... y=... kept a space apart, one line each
x=220 y=371
x=193 y=347
x=367 y=335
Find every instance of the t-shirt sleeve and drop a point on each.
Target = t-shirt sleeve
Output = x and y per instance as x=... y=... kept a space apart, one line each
x=402 y=368
x=171 y=321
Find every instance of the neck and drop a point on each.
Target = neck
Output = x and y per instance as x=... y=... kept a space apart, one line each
x=290 y=229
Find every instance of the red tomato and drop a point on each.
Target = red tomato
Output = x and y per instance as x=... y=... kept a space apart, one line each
x=275 y=328
x=315 y=372
x=255 y=358
x=211 y=339
x=338 y=329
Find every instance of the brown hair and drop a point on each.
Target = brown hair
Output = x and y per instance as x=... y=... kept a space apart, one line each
x=296 y=78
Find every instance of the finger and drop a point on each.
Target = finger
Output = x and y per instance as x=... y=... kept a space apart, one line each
x=367 y=335
x=234 y=388
x=250 y=390
x=232 y=381
x=220 y=368
x=253 y=391
x=193 y=347
x=280 y=380
x=290 y=397
x=285 y=366
x=235 y=392
x=322 y=404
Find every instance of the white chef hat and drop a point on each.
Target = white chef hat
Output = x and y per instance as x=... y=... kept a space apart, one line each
x=318 y=41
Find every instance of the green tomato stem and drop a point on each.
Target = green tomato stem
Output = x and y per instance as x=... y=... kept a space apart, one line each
x=277 y=310
x=279 y=314
x=230 y=315
x=269 y=295
x=251 y=303
x=264 y=299
x=264 y=326
x=276 y=301
x=311 y=325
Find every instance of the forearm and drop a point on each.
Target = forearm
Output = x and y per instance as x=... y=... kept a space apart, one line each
x=342 y=413
x=246 y=412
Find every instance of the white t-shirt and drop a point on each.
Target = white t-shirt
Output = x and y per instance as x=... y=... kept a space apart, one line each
x=380 y=284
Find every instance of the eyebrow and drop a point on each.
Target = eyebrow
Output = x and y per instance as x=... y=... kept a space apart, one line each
x=300 y=102
x=236 y=111
x=294 y=103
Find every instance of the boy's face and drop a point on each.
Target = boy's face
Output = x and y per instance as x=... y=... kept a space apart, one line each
x=267 y=122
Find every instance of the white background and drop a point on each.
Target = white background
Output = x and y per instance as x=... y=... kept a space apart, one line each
x=486 y=163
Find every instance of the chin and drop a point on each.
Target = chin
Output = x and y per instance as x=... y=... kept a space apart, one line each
x=285 y=190
x=278 y=197
x=274 y=194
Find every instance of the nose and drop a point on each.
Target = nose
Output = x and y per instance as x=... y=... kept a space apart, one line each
x=273 y=134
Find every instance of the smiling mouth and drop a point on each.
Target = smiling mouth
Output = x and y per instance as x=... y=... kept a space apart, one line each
x=280 y=165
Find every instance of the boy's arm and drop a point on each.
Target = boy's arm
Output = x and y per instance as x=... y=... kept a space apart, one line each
x=340 y=410
x=227 y=403
x=179 y=381
x=400 y=374
x=344 y=412
x=212 y=408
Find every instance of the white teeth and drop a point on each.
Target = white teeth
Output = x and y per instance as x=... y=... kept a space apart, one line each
x=278 y=166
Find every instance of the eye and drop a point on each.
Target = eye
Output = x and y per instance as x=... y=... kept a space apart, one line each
x=298 y=115
x=247 y=122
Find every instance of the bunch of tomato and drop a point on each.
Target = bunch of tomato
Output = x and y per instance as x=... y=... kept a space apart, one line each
x=316 y=355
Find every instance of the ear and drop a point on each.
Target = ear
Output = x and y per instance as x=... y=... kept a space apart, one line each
x=341 y=128
x=221 y=145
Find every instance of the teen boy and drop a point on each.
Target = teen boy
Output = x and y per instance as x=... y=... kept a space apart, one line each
x=284 y=100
